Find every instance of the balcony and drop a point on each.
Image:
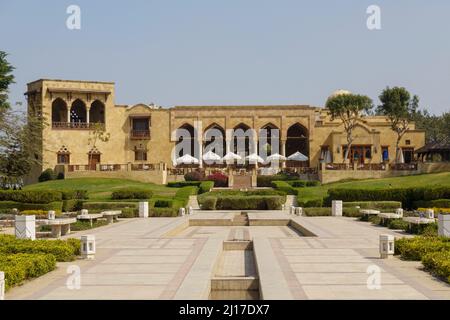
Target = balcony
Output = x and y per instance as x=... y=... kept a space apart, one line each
x=140 y=134
x=75 y=125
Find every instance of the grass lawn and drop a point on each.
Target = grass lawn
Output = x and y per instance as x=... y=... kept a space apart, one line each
x=101 y=189
x=434 y=179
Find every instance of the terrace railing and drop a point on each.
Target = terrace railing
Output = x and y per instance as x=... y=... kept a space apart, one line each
x=140 y=134
x=404 y=166
x=74 y=125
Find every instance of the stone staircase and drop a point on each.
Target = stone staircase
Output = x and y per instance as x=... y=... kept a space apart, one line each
x=291 y=200
x=240 y=220
x=242 y=181
x=193 y=203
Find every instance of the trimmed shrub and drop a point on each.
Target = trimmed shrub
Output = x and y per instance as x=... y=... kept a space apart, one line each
x=184 y=193
x=20 y=267
x=60 y=176
x=314 y=203
x=284 y=186
x=206 y=186
x=298 y=183
x=416 y=248
x=163 y=212
x=313 y=183
x=439 y=203
x=74 y=194
x=47 y=175
x=86 y=225
x=249 y=203
x=208 y=203
x=351 y=212
x=438 y=263
x=220 y=180
x=101 y=206
x=373 y=204
x=398 y=224
x=194 y=176
x=266 y=181
x=181 y=184
x=131 y=194
x=163 y=204
x=72 y=205
x=317 y=212
x=129 y=213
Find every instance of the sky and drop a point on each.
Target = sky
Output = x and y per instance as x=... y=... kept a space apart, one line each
x=225 y=52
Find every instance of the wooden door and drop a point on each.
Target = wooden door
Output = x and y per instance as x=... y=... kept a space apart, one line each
x=93 y=160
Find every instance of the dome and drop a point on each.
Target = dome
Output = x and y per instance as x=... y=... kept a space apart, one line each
x=339 y=92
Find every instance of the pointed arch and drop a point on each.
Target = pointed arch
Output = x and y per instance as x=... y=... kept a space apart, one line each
x=214 y=139
x=297 y=140
x=59 y=110
x=97 y=112
x=242 y=138
x=269 y=140
x=185 y=135
x=78 y=112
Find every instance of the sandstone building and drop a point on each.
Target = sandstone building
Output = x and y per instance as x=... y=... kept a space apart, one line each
x=142 y=136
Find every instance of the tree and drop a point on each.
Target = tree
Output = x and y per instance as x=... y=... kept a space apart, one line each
x=98 y=133
x=6 y=78
x=349 y=108
x=398 y=106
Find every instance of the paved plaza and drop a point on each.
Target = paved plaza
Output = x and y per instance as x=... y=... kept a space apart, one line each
x=166 y=258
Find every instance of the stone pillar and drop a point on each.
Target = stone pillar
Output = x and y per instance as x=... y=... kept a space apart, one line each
x=84 y=212
x=444 y=225
x=182 y=211
x=299 y=211
x=56 y=231
x=386 y=246
x=190 y=210
x=68 y=114
x=429 y=213
x=109 y=219
x=25 y=227
x=399 y=211
x=200 y=153
x=88 y=247
x=2 y=285
x=143 y=209
x=51 y=215
x=283 y=152
x=87 y=115
x=336 y=208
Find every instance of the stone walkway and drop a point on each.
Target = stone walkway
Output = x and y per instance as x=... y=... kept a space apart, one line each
x=163 y=258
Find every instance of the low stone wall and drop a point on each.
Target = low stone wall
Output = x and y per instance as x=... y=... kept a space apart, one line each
x=157 y=176
x=329 y=176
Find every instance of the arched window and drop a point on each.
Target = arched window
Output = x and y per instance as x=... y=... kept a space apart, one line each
x=215 y=140
x=59 y=111
x=185 y=141
x=97 y=112
x=241 y=140
x=63 y=155
x=269 y=136
x=78 y=112
x=297 y=140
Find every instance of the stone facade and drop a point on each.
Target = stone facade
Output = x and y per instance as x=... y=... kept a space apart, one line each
x=142 y=136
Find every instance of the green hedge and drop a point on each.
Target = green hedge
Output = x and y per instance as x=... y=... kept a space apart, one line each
x=374 y=204
x=30 y=196
x=20 y=267
x=438 y=263
x=284 y=186
x=209 y=203
x=126 y=194
x=205 y=186
x=249 y=203
x=317 y=212
x=74 y=194
x=101 y=206
x=63 y=250
x=303 y=183
x=72 y=205
x=398 y=224
x=162 y=204
x=406 y=196
x=439 y=203
x=314 y=203
x=181 y=184
x=183 y=194
x=266 y=181
x=129 y=213
x=57 y=206
x=163 y=212
x=416 y=248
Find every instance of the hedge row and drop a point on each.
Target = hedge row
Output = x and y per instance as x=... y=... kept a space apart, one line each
x=62 y=250
x=6 y=206
x=326 y=211
x=181 y=184
x=20 y=267
x=126 y=194
x=438 y=263
x=439 y=203
x=314 y=203
x=374 y=204
x=41 y=196
x=303 y=183
x=284 y=186
x=243 y=203
x=266 y=181
x=205 y=186
x=416 y=248
x=406 y=196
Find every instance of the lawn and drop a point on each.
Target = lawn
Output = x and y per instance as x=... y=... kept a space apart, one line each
x=435 y=179
x=101 y=189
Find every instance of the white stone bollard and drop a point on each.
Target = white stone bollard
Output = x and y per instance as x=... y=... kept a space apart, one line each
x=84 y=212
x=292 y=210
x=336 y=208
x=143 y=209
x=25 y=227
x=399 y=211
x=429 y=213
x=182 y=211
x=444 y=225
x=2 y=285
x=283 y=207
x=386 y=246
x=190 y=210
x=51 y=215
x=88 y=247
x=299 y=211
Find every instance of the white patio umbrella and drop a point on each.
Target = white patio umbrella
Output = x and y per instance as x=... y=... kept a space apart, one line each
x=211 y=157
x=253 y=158
x=187 y=159
x=275 y=157
x=230 y=156
x=298 y=156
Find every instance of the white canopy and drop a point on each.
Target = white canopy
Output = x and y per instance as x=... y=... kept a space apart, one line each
x=298 y=156
x=231 y=156
x=211 y=156
x=275 y=157
x=187 y=159
x=254 y=158
x=400 y=157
